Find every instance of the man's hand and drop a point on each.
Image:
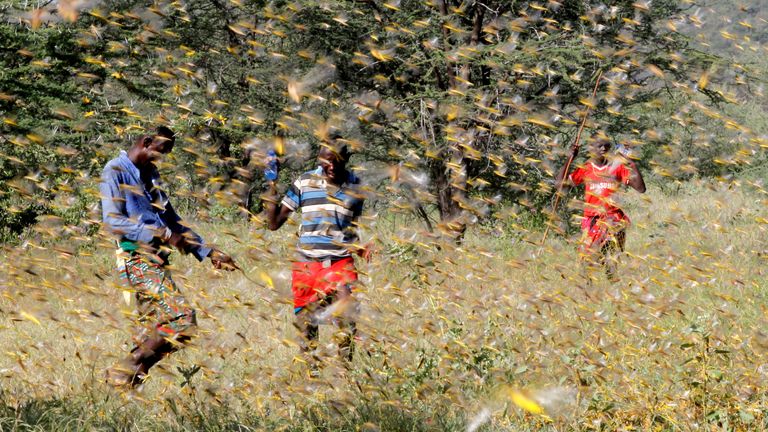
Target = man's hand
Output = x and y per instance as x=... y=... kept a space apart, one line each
x=179 y=242
x=574 y=151
x=366 y=252
x=561 y=180
x=220 y=260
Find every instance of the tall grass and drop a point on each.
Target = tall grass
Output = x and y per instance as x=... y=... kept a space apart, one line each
x=446 y=331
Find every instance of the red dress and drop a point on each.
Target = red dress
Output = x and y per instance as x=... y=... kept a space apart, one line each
x=603 y=220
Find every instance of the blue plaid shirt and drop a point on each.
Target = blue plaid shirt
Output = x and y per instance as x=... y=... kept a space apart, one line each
x=136 y=214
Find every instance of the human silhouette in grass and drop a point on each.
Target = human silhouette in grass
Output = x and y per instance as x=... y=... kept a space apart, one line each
x=604 y=223
x=323 y=275
x=136 y=210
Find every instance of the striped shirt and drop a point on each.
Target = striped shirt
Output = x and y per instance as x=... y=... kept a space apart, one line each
x=328 y=215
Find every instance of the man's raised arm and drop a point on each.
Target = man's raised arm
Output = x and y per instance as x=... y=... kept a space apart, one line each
x=277 y=212
x=636 y=178
x=562 y=181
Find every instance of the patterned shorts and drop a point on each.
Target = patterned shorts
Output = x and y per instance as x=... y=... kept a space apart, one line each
x=161 y=308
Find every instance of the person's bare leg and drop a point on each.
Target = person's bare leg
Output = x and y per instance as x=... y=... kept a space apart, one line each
x=157 y=350
x=612 y=252
x=134 y=368
x=308 y=338
x=158 y=304
x=610 y=263
x=590 y=265
x=345 y=339
x=345 y=309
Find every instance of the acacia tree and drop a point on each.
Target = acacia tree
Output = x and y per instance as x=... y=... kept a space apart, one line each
x=469 y=102
x=44 y=133
x=487 y=94
x=78 y=83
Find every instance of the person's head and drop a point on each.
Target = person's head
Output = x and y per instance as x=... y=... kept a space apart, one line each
x=151 y=148
x=599 y=147
x=333 y=158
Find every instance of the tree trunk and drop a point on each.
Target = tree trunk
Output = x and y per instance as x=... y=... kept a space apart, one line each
x=448 y=186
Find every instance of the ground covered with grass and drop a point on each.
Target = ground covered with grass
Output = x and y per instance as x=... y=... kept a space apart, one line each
x=450 y=337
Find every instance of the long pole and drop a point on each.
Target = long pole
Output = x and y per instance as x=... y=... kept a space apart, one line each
x=576 y=145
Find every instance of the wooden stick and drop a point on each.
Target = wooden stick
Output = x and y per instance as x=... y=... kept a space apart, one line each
x=575 y=145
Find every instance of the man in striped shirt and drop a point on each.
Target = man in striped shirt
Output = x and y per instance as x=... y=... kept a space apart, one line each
x=330 y=201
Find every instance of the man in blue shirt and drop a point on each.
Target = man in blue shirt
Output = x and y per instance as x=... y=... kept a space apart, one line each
x=137 y=211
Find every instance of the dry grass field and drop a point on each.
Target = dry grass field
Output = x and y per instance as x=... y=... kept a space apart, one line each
x=449 y=338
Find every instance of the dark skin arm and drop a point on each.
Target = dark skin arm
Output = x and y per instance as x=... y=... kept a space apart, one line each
x=277 y=213
x=219 y=259
x=561 y=181
x=635 y=178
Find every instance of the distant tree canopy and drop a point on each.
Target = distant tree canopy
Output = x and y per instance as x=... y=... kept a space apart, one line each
x=467 y=103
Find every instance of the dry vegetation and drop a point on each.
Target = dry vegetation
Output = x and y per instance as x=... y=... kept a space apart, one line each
x=465 y=108
x=446 y=335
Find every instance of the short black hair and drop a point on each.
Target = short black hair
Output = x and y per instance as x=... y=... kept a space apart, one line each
x=336 y=143
x=344 y=152
x=599 y=138
x=165 y=131
x=601 y=141
x=339 y=148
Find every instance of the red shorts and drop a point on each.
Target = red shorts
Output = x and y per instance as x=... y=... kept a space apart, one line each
x=599 y=230
x=312 y=280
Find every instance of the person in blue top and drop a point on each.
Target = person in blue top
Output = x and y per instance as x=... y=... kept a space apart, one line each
x=137 y=211
x=330 y=199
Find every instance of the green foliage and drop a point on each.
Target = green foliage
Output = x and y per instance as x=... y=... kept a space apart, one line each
x=481 y=98
x=77 y=415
